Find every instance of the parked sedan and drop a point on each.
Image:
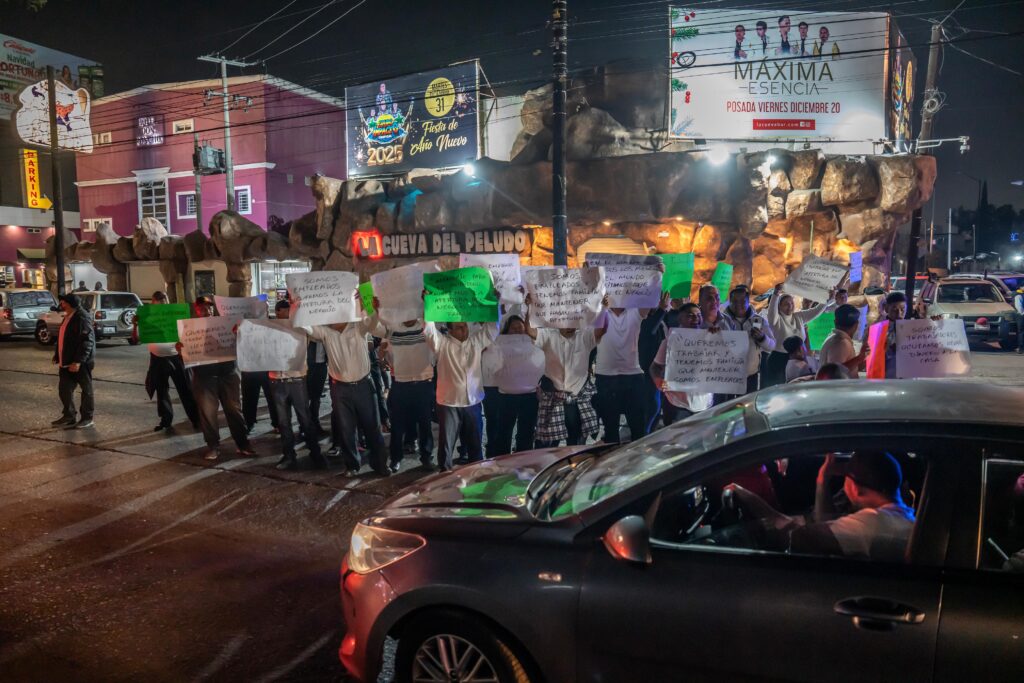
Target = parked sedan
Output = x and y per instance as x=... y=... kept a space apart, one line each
x=641 y=563
x=19 y=309
x=113 y=316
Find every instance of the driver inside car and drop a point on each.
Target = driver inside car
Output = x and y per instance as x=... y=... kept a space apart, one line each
x=879 y=527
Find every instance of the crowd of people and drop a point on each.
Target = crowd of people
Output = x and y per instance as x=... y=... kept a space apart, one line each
x=399 y=379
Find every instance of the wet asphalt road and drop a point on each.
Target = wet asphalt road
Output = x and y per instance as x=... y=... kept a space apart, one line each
x=125 y=556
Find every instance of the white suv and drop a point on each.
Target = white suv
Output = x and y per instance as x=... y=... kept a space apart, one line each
x=975 y=301
x=113 y=316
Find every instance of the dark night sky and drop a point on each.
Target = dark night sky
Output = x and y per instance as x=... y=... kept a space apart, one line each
x=157 y=41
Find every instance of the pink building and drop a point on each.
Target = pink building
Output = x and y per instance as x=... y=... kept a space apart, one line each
x=281 y=134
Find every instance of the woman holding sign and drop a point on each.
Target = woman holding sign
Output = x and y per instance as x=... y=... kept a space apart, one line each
x=522 y=365
x=787 y=322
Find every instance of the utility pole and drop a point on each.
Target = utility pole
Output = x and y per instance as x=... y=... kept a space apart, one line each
x=927 y=115
x=227 y=99
x=58 y=197
x=560 y=55
x=949 y=242
x=199 y=180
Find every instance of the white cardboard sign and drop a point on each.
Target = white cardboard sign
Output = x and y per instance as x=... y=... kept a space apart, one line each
x=564 y=297
x=505 y=271
x=856 y=266
x=701 y=361
x=932 y=348
x=206 y=340
x=325 y=297
x=241 y=307
x=265 y=345
x=400 y=292
x=631 y=281
x=813 y=279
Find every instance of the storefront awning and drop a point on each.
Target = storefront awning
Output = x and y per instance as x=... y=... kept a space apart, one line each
x=31 y=254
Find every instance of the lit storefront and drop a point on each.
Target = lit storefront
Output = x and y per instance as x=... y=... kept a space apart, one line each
x=270 y=278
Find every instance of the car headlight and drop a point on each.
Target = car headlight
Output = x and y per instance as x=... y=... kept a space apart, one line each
x=373 y=547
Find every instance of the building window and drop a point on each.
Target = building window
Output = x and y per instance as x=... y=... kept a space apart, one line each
x=102 y=138
x=243 y=199
x=183 y=126
x=186 y=202
x=153 y=201
x=92 y=224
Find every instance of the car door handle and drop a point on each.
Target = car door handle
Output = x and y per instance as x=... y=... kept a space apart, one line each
x=877 y=614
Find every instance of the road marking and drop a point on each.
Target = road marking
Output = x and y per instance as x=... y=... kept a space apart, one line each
x=68 y=484
x=284 y=669
x=333 y=501
x=223 y=658
x=86 y=526
x=58 y=469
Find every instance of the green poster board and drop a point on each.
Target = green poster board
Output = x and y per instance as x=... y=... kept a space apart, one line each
x=722 y=280
x=460 y=295
x=818 y=330
x=678 y=277
x=158 y=323
x=366 y=294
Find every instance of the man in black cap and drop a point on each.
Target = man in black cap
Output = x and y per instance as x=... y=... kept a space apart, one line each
x=74 y=355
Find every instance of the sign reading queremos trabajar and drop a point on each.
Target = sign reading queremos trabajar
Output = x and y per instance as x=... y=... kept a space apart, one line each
x=425 y=120
x=373 y=245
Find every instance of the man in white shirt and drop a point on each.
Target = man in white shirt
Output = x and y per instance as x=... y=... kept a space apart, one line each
x=838 y=347
x=165 y=366
x=353 y=397
x=621 y=384
x=460 y=388
x=411 y=399
x=739 y=316
x=679 y=405
x=287 y=393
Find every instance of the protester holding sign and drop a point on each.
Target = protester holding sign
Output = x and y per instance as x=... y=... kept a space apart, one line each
x=739 y=316
x=411 y=399
x=564 y=297
x=165 y=366
x=895 y=309
x=816 y=278
x=459 y=387
x=522 y=365
x=218 y=384
x=460 y=295
x=353 y=396
x=679 y=405
x=838 y=348
x=710 y=302
x=786 y=322
x=288 y=393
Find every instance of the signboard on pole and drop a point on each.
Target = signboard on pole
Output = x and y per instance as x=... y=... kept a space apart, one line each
x=778 y=74
x=424 y=120
x=23 y=64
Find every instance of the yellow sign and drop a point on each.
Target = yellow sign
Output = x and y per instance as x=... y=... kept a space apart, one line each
x=33 y=195
x=439 y=97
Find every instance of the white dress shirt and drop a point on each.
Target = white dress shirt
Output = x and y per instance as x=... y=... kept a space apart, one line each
x=348 y=358
x=409 y=355
x=619 y=353
x=459 y=377
x=567 y=359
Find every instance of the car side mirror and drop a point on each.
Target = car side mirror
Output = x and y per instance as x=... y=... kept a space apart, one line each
x=629 y=539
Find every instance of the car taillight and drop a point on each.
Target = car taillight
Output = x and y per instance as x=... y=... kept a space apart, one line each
x=8 y=314
x=100 y=315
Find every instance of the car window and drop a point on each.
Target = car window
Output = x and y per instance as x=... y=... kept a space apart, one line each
x=117 y=301
x=1002 y=524
x=40 y=298
x=87 y=301
x=968 y=293
x=776 y=506
x=1013 y=283
x=569 y=487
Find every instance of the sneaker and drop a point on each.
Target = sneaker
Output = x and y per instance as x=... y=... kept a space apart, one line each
x=161 y=427
x=334 y=452
x=63 y=420
x=394 y=468
x=210 y=455
x=351 y=473
x=84 y=423
x=286 y=463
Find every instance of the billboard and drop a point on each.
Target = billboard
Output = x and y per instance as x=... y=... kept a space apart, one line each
x=424 y=120
x=778 y=74
x=23 y=64
x=73 y=107
x=902 y=71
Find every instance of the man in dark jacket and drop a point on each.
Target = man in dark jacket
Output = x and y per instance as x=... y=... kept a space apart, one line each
x=74 y=356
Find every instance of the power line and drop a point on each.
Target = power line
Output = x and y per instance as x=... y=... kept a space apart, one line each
x=322 y=29
x=293 y=27
x=256 y=26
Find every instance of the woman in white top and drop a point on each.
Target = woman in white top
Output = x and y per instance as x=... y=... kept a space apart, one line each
x=786 y=322
x=522 y=366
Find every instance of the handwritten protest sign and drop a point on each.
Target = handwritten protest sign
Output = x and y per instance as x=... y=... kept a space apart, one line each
x=878 y=337
x=400 y=292
x=460 y=295
x=631 y=281
x=818 y=330
x=366 y=296
x=856 y=266
x=722 y=279
x=813 y=278
x=270 y=345
x=325 y=297
x=564 y=297
x=707 y=362
x=520 y=365
x=505 y=271
x=678 y=277
x=206 y=340
x=241 y=307
x=932 y=348
x=158 y=323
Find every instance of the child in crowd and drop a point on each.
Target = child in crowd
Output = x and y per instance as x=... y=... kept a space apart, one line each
x=799 y=364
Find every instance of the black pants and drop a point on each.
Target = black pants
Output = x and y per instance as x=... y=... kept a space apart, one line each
x=517 y=413
x=354 y=407
x=214 y=385
x=252 y=384
x=617 y=395
x=316 y=379
x=288 y=395
x=671 y=413
x=463 y=424
x=492 y=407
x=410 y=405
x=164 y=370
x=774 y=369
x=652 y=395
x=66 y=383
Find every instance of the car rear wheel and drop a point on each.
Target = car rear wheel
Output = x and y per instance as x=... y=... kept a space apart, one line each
x=448 y=647
x=43 y=335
